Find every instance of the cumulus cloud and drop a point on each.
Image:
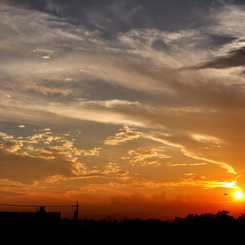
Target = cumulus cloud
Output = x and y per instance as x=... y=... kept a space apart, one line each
x=9 y=144
x=45 y=154
x=115 y=169
x=125 y=134
x=147 y=156
x=3 y=134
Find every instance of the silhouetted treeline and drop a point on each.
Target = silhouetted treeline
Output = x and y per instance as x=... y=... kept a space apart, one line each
x=220 y=218
x=193 y=227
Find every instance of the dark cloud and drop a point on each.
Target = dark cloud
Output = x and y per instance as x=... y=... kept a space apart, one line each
x=159 y=45
x=240 y=1
x=233 y=59
x=32 y=4
x=210 y=41
x=218 y=40
x=115 y=16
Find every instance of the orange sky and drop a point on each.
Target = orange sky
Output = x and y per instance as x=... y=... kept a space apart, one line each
x=134 y=109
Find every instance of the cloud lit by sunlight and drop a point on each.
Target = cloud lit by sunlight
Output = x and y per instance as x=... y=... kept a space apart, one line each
x=108 y=100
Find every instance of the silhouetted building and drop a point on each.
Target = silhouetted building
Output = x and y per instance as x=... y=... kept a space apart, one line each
x=30 y=218
x=31 y=227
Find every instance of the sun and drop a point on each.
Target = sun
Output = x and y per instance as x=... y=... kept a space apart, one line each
x=238 y=194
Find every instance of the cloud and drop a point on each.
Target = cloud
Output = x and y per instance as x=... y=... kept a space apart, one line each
x=93 y=152
x=44 y=129
x=125 y=134
x=147 y=156
x=185 y=164
x=109 y=66
x=72 y=63
x=111 y=16
x=137 y=42
x=3 y=134
x=35 y=158
x=227 y=25
x=51 y=159
x=229 y=18
x=196 y=180
x=234 y=58
x=222 y=164
x=115 y=169
x=28 y=170
x=206 y=138
x=9 y=144
x=189 y=153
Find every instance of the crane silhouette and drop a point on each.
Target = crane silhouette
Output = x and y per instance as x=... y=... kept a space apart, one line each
x=75 y=216
x=42 y=208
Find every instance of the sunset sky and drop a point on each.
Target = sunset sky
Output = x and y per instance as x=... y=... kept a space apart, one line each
x=134 y=108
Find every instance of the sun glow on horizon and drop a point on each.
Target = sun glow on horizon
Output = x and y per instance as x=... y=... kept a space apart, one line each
x=238 y=194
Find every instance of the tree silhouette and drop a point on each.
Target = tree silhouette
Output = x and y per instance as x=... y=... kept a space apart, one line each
x=75 y=231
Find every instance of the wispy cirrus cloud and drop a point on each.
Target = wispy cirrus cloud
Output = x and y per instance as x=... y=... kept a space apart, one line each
x=99 y=65
x=189 y=152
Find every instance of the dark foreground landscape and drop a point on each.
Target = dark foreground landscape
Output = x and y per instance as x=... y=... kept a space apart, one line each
x=38 y=229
